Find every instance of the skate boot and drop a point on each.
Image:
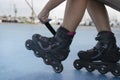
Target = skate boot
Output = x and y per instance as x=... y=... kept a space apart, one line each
x=53 y=50
x=103 y=57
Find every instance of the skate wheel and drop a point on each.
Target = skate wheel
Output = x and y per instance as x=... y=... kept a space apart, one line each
x=103 y=69
x=77 y=64
x=28 y=44
x=37 y=54
x=46 y=61
x=58 y=68
x=116 y=72
x=90 y=68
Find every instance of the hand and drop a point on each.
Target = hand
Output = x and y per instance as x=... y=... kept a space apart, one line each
x=43 y=16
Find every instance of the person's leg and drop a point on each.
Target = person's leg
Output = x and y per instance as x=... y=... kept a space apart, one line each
x=106 y=46
x=115 y=4
x=106 y=39
x=56 y=48
x=73 y=14
x=105 y=54
x=99 y=15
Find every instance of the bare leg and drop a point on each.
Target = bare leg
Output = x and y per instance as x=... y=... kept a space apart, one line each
x=73 y=14
x=99 y=15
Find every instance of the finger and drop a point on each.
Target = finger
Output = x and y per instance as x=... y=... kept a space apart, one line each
x=43 y=20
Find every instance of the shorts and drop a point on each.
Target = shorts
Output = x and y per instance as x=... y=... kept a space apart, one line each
x=112 y=3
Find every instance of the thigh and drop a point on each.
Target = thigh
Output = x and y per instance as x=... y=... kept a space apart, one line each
x=112 y=3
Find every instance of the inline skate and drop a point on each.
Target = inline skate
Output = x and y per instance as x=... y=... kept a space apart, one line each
x=52 y=50
x=103 y=57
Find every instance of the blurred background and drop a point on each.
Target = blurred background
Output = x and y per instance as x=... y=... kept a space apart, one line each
x=26 y=11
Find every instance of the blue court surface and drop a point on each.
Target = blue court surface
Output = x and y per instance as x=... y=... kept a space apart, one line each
x=18 y=63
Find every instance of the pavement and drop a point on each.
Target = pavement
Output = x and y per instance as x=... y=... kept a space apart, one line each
x=18 y=63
